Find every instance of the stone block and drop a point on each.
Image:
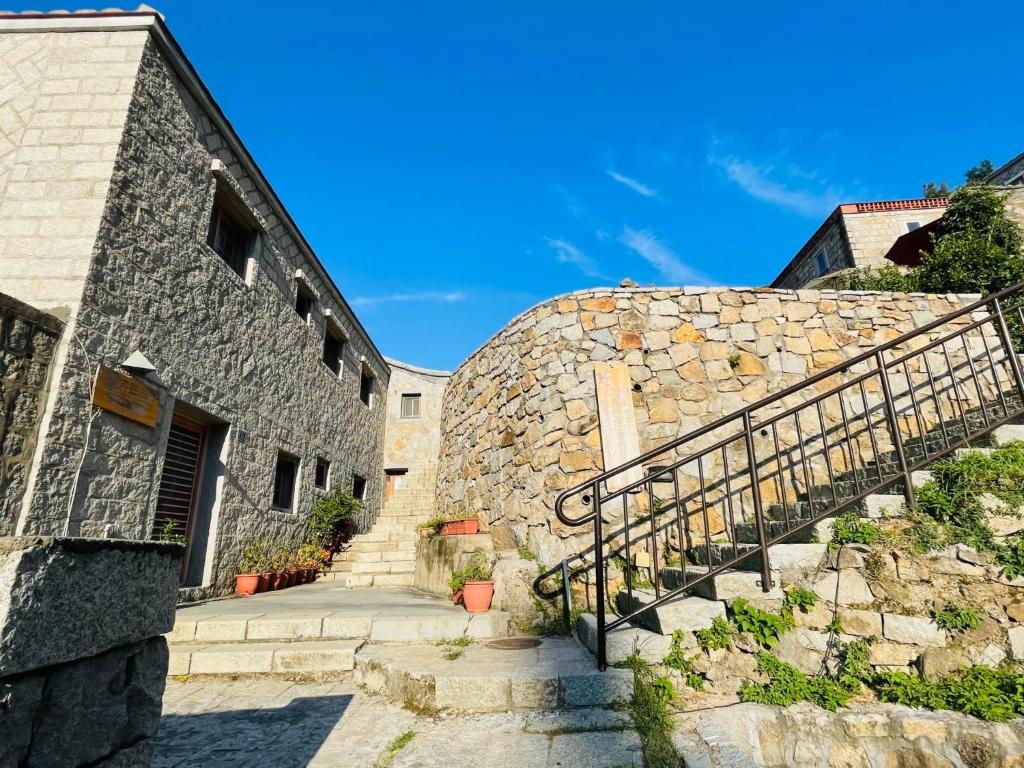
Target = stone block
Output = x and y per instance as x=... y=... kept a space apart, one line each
x=312 y=657
x=533 y=692
x=132 y=588
x=284 y=627
x=1015 y=635
x=912 y=630
x=623 y=641
x=473 y=693
x=861 y=623
x=487 y=625
x=225 y=630
x=338 y=626
x=20 y=702
x=732 y=585
x=786 y=557
x=595 y=689
x=878 y=506
x=893 y=654
x=685 y=613
x=233 y=659
x=844 y=587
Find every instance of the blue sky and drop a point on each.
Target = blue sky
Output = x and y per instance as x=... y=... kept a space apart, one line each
x=453 y=163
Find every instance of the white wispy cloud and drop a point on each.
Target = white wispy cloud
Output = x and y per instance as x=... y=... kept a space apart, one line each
x=427 y=297
x=567 y=253
x=661 y=257
x=813 y=198
x=637 y=186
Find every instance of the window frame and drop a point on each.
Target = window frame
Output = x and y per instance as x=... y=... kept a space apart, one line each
x=332 y=334
x=912 y=225
x=283 y=457
x=324 y=462
x=303 y=293
x=228 y=209
x=366 y=375
x=410 y=397
x=821 y=262
x=358 y=479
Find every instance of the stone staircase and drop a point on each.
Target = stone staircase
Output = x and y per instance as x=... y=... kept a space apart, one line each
x=806 y=550
x=385 y=556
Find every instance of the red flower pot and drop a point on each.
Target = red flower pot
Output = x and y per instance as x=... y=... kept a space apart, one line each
x=265 y=581
x=310 y=575
x=468 y=526
x=292 y=576
x=457 y=597
x=279 y=580
x=476 y=596
x=247 y=583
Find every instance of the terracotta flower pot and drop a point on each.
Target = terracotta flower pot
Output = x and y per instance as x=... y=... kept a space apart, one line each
x=279 y=580
x=476 y=596
x=247 y=583
x=457 y=597
x=310 y=575
x=464 y=527
x=265 y=581
x=293 y=575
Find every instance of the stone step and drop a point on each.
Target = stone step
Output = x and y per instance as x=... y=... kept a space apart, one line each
x=305 y=657
x=685 y=612
x=623 y=641
x=557 y=673
x=353 y=580
x=726 y=586
x=821 y=531
x=781 y=556
x=284 y=627
x=1008 y=433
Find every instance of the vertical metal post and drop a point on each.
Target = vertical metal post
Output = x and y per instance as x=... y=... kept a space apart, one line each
x=599 y=574
x=567 y=600
x=755 y=490
x=1004 y=331
x=894 y=428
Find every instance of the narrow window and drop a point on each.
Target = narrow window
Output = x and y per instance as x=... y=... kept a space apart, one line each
x=304 y=301
x=229 y=234
x=323 y=473
x=821 y=262
x=410 y=406
x=366 y=388
x=358 y=487
x=285 y=474
x=334 y=350
x=912 y=225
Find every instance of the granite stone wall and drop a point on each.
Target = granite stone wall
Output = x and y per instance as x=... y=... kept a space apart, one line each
x=231 y=350
x=520 y=420
x=28 y=338
x=82 y=657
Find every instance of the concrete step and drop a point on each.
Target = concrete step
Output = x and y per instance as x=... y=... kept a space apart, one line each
x=556 y=673
x=623 y=641
x=685 y=612
x=306 y=657
x=353 y=580
x=781 y=556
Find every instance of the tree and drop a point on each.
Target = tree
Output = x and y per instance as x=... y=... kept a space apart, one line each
x=931 y=191
x=980 y=172
x=977 y=246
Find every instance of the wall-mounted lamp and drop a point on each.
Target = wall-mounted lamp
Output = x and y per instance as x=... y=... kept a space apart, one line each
x=138 y=364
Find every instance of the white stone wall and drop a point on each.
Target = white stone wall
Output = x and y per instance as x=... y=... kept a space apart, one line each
x=234 y=349
x=871 y=235
x=414 y=443
x=63 y=103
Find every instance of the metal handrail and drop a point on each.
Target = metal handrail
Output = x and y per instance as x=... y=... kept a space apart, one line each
x=767 y=532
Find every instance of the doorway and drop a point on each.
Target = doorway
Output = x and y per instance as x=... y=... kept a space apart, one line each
x=393 y=481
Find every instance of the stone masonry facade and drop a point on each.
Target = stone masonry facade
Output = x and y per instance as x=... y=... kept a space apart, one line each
x=520 y=421
x=231 y=350
x=28 y=338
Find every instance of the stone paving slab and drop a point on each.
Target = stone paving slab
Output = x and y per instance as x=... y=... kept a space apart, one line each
x=236 y=724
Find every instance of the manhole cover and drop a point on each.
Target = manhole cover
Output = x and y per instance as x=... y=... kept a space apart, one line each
x=514 y=643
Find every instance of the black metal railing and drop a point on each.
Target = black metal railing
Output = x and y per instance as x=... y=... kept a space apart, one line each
x=717 y=498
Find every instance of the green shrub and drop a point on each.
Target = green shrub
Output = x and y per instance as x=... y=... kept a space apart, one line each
x=766 y=627
x=717 y=637
x=678 y=660
x=894 y=687
x=954 y=618
x=801 y=598
x=885 y=278
x=330 y=513
x=848 y=528
x=477 y=569
x=649 y=712
x=1011 y=558
x=787 y=685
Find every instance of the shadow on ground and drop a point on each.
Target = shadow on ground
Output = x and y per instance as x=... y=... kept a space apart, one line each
x=282 y=737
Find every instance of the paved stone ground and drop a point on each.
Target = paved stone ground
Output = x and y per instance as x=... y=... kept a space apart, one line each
x=293 y=725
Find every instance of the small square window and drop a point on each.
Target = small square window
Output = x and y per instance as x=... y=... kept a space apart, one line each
x=286 y=472
x=229 y=234
x=358 y=487
x=820 y=262
x=334 y=350
x=912 y=225
x=304 y=301
x=410 y=406
x=322 y=475
x=366 y=388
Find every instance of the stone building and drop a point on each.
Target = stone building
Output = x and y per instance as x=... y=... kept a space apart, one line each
x=1009 y=175
x=856 y=235
x=211 y=379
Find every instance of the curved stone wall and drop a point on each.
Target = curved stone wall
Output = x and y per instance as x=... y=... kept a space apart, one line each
x=519 y=420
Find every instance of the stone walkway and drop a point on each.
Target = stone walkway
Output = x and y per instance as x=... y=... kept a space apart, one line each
x=277 y=723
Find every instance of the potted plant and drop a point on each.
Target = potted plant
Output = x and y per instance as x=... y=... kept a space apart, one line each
x=247 y=581
x=473 y=584
x=279 y=577
x=460 y=526
x=430 y=528
x=309 y=561
x=330 y=518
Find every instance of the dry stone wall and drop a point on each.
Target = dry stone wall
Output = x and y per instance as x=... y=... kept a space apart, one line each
x=520 y=422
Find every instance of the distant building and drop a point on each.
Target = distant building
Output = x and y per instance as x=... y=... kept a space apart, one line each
x=1009 y=175
x=856 y=235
